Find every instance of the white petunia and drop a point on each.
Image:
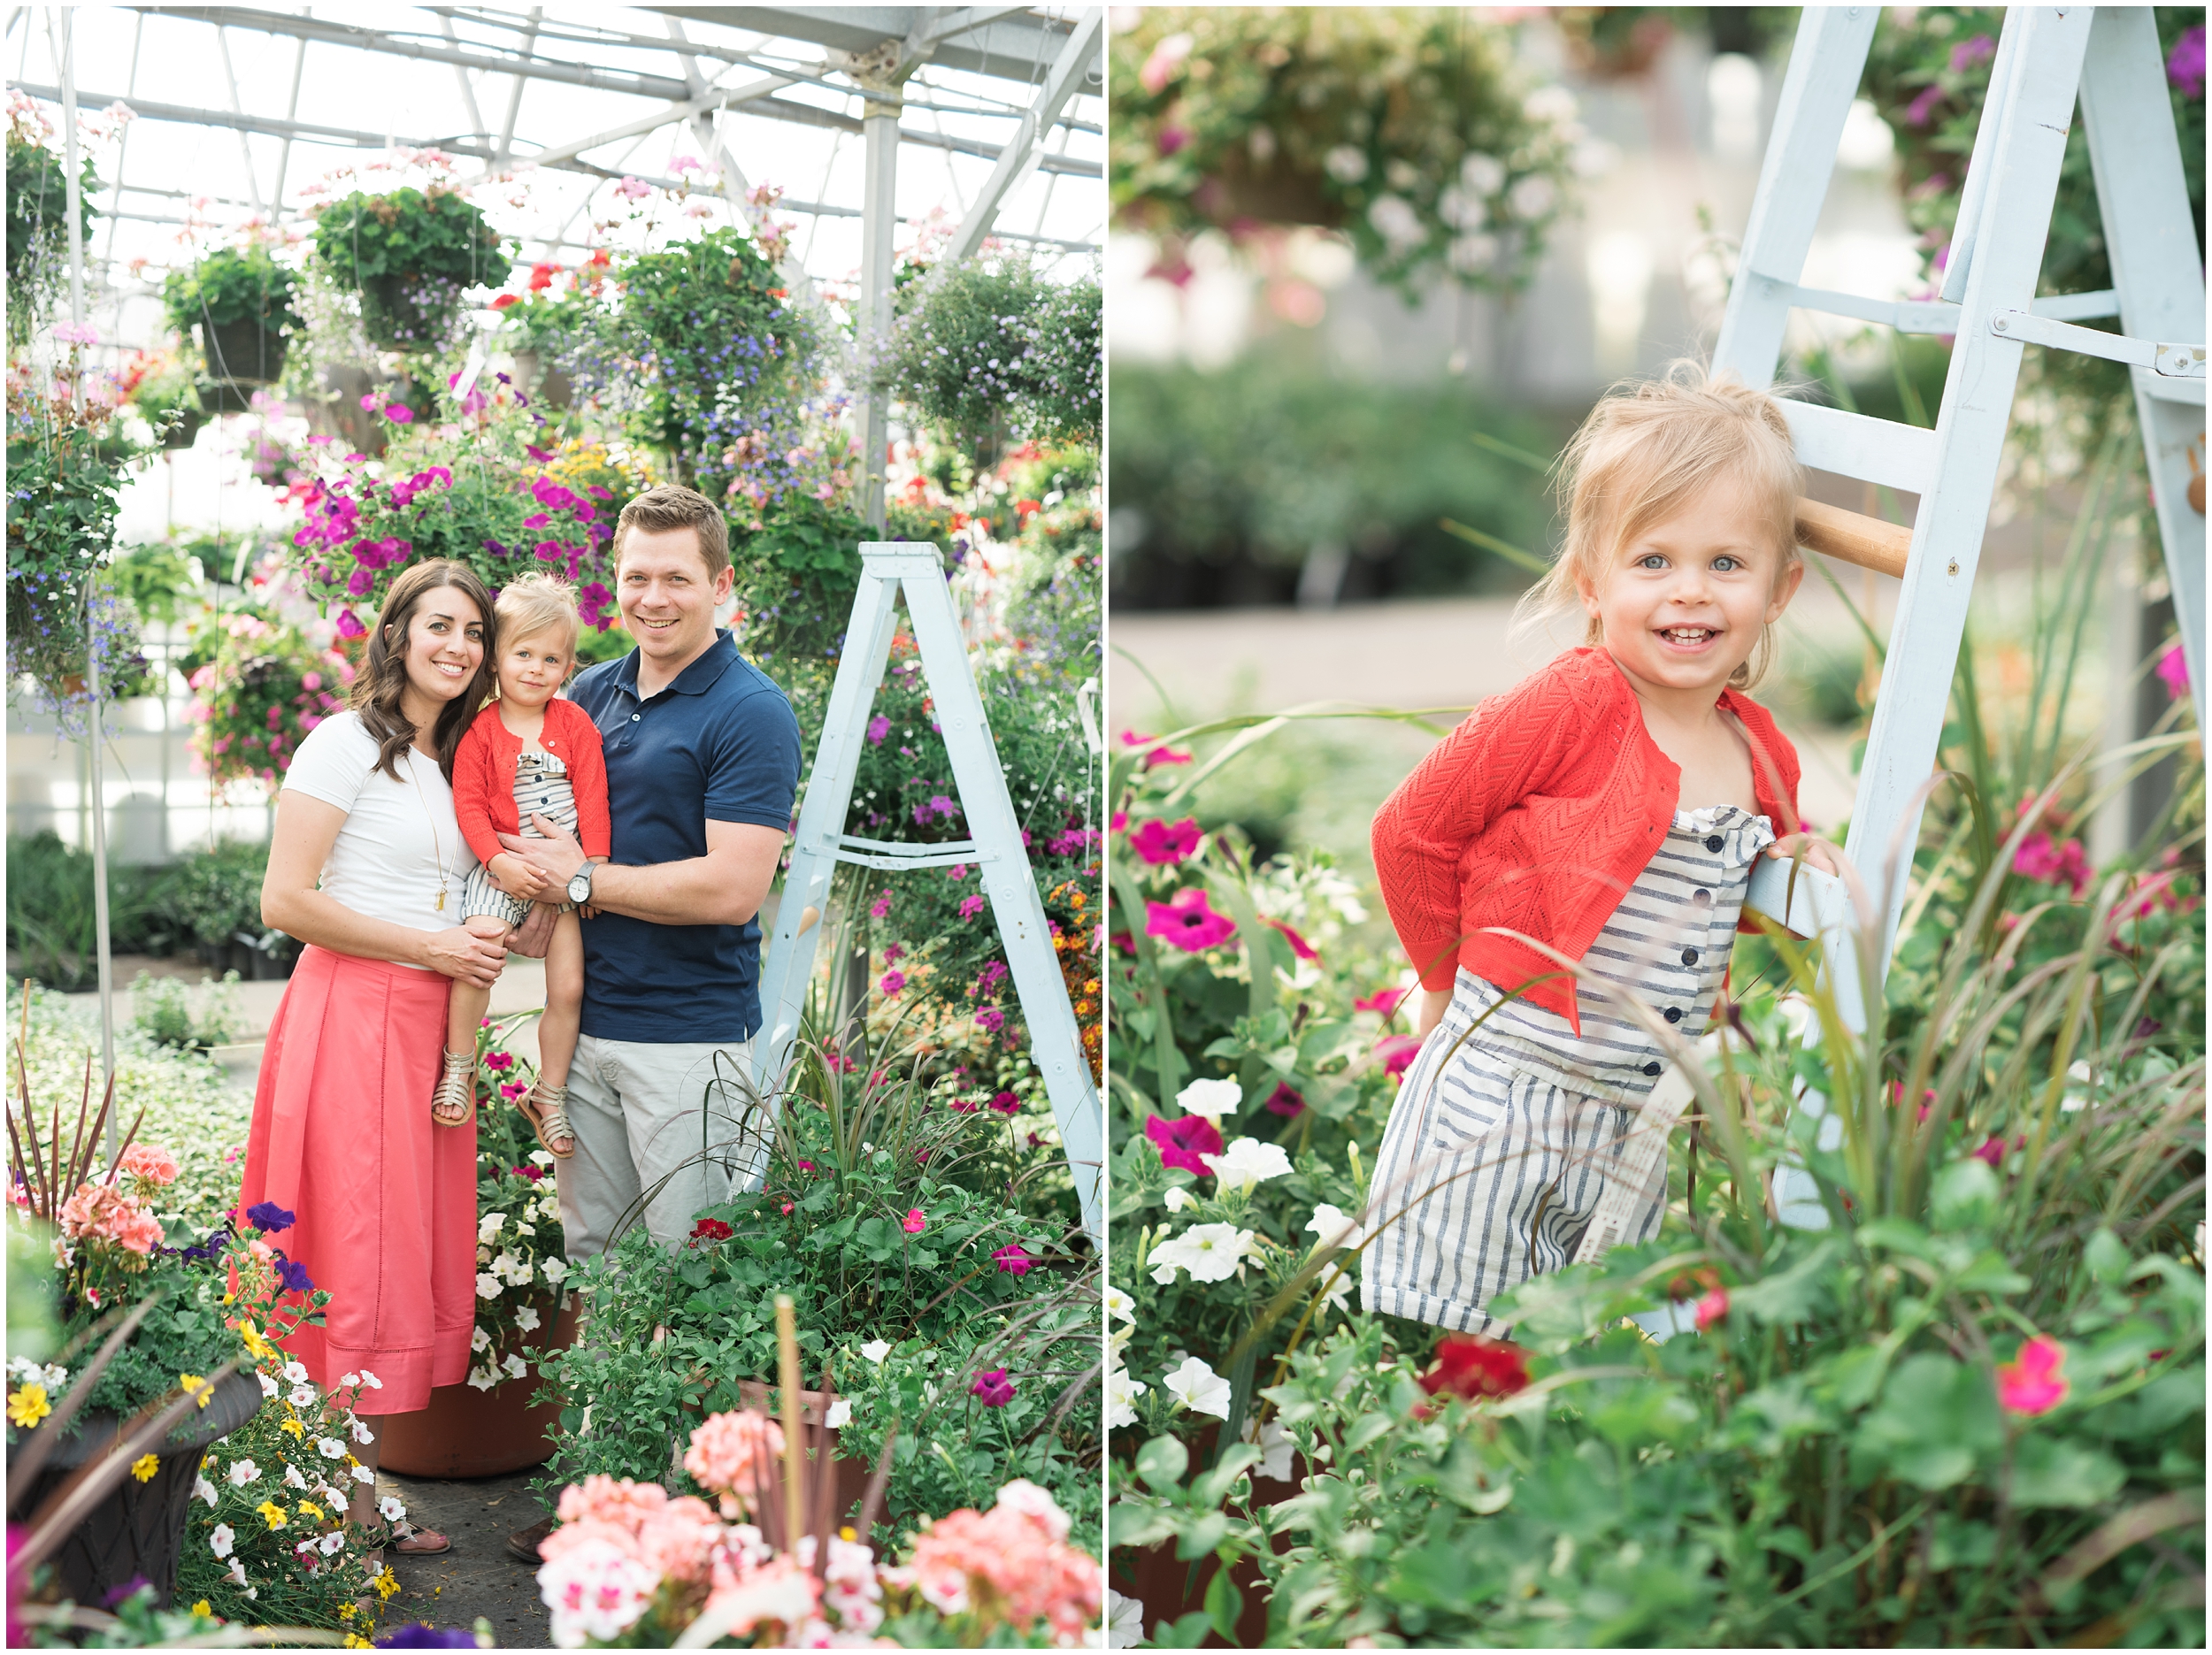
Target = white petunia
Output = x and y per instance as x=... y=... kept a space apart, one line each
x=1125 y=1621
x=1471 y=255
x=522 y=1229
x=555 y=1271
x=269 y=1386
x=362 y=1473
x=1198 y=1388
x=480 y=1341
x=1481 y=174
x=330 y=1448
x=1122 y=1392
x=303 y=1396
x=293 y=1480
x=841 y=1413
x=1177 y=1198
x=1276 y=1447
x=221 y=1541
x=361 y=1433
x=1532 y=198
x=1119 y=1304
x=1346 y=164
x=486 y=1285
x=876 y=1350
x=1551 y=104
x=348 y=1382
x=1462 y=208
x=241 y=1473
x=1335 y=1227
x=1395 y=220
x=295 y=1373
x=1211 y=1252
x=1212 y=1099
x=1247 y=1162
x=542 y=1157
x=515 y=1366
x=488 y=1230
x=526 y=1319
x=237 y=1571
x=390 y=1509
x=202 y=1490
x=370 y=1380
x=483 y=1378
x=334 y=1542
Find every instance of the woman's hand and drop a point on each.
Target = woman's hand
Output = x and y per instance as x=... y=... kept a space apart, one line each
x=516 y=878
x=1819 y=852
x=1434 y=1003
x=462 y=954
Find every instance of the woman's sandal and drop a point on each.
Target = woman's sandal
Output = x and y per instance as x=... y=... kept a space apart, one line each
x=553 y=1122
x=456 y=1090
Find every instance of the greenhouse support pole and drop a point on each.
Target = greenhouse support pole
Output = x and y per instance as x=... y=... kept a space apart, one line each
x=879 y=131
x=94 y=737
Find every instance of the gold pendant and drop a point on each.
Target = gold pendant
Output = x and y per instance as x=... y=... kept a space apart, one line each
x=441 y=899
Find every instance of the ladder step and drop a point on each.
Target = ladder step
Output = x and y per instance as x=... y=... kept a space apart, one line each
x=1856 y=445
x=895 y=854
x=1851 y=537
x=2176 y=361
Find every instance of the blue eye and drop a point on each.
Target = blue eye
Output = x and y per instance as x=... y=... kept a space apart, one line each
x=1726 y=564
x=1651 y=560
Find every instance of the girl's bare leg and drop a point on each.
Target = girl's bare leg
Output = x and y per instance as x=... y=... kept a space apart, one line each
x=563 y=1011
x=465 y=1015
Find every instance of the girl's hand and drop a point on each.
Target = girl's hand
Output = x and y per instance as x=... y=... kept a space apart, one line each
x=1819 y=852
x=462 y=954
x=590 y=910
x=1434 y=1003
x=516 y=878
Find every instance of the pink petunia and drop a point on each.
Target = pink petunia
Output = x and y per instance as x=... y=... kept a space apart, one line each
x=2173 y=666
x=1014 y=1259
x=1383 y=1001
x=1163 y=843
x=1711 y=1308
x=1398 y=1051
x=398 y=413
x=2051 y=862
x=1187 y=921
x=970 y=906
x=1285 y=1099
x=2184 y=65
x=1299 y=945
x=1158 y=754
x=892 y=983
x=2033 y=1383
x=881 y=909
x=878 y=727
x=916 y=1222
x=1006 y=1103
x=1185 y=1143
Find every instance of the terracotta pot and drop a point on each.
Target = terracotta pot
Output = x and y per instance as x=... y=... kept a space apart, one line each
x=466 y=1432
x=138 y=1530
x=852 y=1475
x=244 y=352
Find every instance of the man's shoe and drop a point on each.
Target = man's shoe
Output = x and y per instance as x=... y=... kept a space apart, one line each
x=522 y=1545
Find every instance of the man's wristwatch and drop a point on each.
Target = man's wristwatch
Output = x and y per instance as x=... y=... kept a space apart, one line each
x=579 y=886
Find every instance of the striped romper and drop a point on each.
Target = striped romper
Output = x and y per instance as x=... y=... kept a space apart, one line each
x=1498 y=1145
x=541 y=787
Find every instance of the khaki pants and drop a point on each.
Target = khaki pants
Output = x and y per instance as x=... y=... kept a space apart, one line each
x=645 y=1114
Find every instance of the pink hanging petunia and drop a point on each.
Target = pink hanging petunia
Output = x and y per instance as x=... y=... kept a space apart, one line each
x=1185 y=1143
x=1165 y=842
x=1285 y=1099
x=1188 y=921
x=2173 y=672
x=2033 y=1384
x=1014 y=1259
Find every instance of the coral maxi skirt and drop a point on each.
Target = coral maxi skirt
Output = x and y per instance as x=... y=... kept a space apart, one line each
x=385 y=1197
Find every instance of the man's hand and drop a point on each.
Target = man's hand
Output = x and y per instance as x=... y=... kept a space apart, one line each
x=1819 y=852
x=534 y=935
x=556 y=856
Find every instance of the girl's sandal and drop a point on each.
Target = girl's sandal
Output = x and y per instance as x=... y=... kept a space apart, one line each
x=453 y=1102
x=547 y=1110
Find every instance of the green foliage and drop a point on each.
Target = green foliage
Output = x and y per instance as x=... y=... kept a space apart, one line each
x=50 y=916
x=1408 y=128
x=230 y=285
x=38 y=228
x=260 y=683
x=1240 y=475
x=215 y=894
x=163 y=1008
x=155 y=576
x=62 y=488
x=992 y=350
x=409 y=253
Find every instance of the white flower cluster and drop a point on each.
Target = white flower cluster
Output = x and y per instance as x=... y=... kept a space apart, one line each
x=23 y=1371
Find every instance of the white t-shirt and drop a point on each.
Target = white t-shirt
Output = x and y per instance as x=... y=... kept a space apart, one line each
x=398 y=836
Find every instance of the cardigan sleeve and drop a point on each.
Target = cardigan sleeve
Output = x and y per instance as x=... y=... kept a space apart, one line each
x=587 y=778
x=1502 y=751
x=475 y=780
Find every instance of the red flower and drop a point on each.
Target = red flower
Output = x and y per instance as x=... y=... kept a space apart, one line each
x=1183 y=1142
x=542 y=277
x=1159 y=842
x=1711 y=1308
x=1188 y=921
x=711 y=1230
x=1467 y=1365
x=506 y=299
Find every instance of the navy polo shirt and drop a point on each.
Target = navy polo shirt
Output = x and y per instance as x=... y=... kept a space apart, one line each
x=720 y=744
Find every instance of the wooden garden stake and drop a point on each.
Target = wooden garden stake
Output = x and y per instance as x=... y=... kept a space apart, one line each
x=793 y=1441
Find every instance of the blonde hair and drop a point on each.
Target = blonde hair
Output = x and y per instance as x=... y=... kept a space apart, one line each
x=538 y=603
x=1645 y=450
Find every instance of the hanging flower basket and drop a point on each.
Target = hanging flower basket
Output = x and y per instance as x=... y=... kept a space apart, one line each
x=239 y=302
x=1408 y=130
x=245 y=353
x=408 y=254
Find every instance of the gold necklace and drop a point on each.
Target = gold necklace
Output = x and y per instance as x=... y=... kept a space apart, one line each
x=437 y=844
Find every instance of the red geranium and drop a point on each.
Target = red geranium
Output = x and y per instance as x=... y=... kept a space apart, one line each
x=1470 y=1365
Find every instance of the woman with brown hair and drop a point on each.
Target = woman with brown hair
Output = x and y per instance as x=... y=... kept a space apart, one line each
x=366 y=869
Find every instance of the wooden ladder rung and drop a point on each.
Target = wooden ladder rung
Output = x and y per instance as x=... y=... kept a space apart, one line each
x=1853 y=537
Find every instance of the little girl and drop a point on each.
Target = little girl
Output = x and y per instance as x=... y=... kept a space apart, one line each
x=527 y=754
x=1610 y=807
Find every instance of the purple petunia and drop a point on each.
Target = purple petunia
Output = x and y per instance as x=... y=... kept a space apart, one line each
x=269 y=1218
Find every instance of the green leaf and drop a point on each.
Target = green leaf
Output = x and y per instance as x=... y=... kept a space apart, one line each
x=1964 y=1196
x=1797 y=1294
x=1137 y=1525
x=1187 y=1632
x=1202 y=1533
x=2051 y=1472
x=1224 y=1605
x=2107 y=1257
x=1937 y=1417
x=1162 y=1463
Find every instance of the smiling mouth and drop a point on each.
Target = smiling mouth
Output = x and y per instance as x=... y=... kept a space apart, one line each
x=1689 y=637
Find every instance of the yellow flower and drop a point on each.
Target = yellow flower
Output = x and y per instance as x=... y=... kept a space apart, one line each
x=296 y=1427
x=353 y=1643
x=255 y=1343
x=193 y=1385
x=144 y=1466
x=27 y=1407
x=272 y=1513
x=385 y=1583
x=202 y=1608
x=346 y=1611
x=312 y=1512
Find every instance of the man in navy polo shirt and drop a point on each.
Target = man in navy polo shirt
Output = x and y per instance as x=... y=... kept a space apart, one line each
x=703 y=764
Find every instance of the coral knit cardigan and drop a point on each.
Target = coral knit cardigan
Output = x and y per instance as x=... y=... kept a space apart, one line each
x=484 y=777
x=1535 y=816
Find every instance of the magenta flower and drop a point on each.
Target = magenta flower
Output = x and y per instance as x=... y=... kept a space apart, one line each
x=916 y=1222
x=1185 y=1143
x=2034 y=1383
x=398 y=413
x=1014 y=1259
x=993 y=1389
x=2184 y=65
x=2052 y=863
x=970 y=906
x=990 y=1020
x=1006 y=1103
x=878 y=727
x=1398 y=1051
x=2173 y=666
x=1917 y=111
x=1383 y=1001
x=1967 y=53
x=892 y=983
x=349 y=625
x=1299 y=945
x=1164 y=842
x=1711 y=1308
x=881 y=906
x=1188 y=921
x=1286 y=1100
x=499 y=1059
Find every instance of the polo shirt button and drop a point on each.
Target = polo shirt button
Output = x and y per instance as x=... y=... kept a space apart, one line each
x=1689 y=956
x=1700 y=896
x=1674 y=1013
x=1715 y=843
x=634 y=717
x=1651 y=1069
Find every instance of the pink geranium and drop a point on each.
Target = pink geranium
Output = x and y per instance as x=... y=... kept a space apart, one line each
x=1187 y=921
x=2051 y=862
x=2033 y=1383
x=150 y=1165
x=1185 y=1143
x=1014 y=1259
x=1711 y=1308
x=1163 y=843
x=916 y=1222
x=1011 y=1563
x=970 y=906
x=734 y=1454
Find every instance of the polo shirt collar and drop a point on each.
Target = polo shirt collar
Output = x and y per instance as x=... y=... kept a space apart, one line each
x=696 y=679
